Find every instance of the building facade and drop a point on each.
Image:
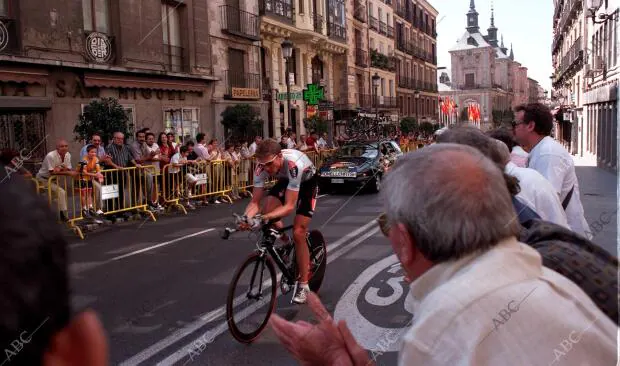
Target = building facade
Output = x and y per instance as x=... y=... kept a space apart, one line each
x=568 y=50
x=597 y=135
x=484 y=73
x=55 y=62
x=416 y=54
x=318 y=31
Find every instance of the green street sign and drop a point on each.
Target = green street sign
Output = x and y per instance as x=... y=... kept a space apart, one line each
x=313 y=94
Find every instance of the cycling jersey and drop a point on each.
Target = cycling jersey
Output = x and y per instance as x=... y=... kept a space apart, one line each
x=296 y=168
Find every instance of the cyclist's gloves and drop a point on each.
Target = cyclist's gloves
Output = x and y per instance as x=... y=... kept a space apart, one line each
x=256 y=222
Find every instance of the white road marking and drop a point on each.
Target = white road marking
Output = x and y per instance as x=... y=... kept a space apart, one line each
x=177 y=336
x=158 y=245
x=221 y=328
x=323 y=195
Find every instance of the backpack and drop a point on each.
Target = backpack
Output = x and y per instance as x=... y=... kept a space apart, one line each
x=589 y=266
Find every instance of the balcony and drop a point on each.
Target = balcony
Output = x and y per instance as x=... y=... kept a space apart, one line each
x=381 y=61
x=174 y=58
x=374 y=23
x=370 y=102
x=240 y=23
x=399 y=9
x=406 y=83
x=383 y=28
x=337 y=32
x=569 y=11
x=571 y=62
x=361 y=57
x=317 y=22
x=278 y=9
x=360 y=12
x=390 y=31
x=242 y=85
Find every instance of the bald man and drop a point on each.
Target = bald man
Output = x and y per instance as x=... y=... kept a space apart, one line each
x=57 y=162
x=536 y=191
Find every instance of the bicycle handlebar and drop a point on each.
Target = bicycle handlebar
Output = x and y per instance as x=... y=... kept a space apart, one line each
x=239 y=219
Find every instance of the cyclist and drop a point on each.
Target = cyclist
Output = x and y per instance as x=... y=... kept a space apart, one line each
x=297 y=186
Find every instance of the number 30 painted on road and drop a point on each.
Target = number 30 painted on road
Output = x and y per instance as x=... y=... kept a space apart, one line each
x=369 y=335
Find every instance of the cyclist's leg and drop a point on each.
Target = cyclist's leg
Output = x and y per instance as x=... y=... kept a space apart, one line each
x=305 y=210
x=275 y=199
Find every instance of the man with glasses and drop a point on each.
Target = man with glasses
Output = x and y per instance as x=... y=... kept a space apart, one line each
x=297 y=186
x=532 y=130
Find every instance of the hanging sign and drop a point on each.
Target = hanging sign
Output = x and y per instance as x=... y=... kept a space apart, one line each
x=313 y=94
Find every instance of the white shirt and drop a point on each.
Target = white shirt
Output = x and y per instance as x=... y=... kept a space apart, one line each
x=290 y=144
x=538 y=194
x=322 y=143
x=176 y=159
x=502 y=307
x=253 y=147
x=53 y=160
x=552 y=160
x=519 y=156
x=153 y=149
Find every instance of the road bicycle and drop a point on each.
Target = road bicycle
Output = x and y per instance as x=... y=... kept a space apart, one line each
x=262 y=259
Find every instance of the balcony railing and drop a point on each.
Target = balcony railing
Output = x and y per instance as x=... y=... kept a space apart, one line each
x=368 y=101
x=242 y=85
x=317 y=21
x=360 y=12
x=390 y=31
x=374 y=23
x=174 y=58
x=383 y=28
x=406 y=83
x=361 y=57
x=240 y=23
x=399 y=9
x=571 y=61
x=337 y=32
x=381 y=61
x=280 y=9
x=569 y=10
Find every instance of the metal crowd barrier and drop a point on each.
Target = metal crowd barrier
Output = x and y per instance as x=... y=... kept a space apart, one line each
x=131 y=189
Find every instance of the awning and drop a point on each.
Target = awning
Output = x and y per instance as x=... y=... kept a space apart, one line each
x=114 y=81
x=25 y=103
x=24 y=75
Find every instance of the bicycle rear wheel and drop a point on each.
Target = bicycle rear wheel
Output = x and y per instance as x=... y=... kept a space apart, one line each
x=246 y=299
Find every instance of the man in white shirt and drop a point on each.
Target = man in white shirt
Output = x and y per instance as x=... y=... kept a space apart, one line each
x=480 y=297
x=536 y=191
x=57 y=162
x=201 y=147
x=532 y=131
x=255 y=144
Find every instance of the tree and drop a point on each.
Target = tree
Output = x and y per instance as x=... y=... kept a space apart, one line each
x=427 y=128
x=241 y=122
x=408 y=124
x=104 y=116
x=316 y=123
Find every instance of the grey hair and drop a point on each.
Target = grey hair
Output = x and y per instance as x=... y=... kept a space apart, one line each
x=458 y=205
x=502 y=150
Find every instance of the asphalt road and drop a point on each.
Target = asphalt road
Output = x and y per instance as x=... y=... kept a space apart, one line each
x=160 y=288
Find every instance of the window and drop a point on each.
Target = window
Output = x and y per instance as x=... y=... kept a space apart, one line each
x=380 y=14
x=95 y=13
x=470 y=79
x=171 y=28
x=336 y=12
x=372 y=43
x=383 y=86
x=5 y=8
x=391 y=88
x=183 y=122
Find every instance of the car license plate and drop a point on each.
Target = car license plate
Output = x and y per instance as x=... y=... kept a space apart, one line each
x=337 y=180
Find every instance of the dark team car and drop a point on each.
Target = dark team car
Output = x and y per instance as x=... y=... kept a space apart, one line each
x=358 y=164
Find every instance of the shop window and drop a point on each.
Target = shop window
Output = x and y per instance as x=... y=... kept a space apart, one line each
x=183 y=122
x=24 y=131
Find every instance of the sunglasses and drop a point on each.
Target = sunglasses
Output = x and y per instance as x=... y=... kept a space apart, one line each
x=383 y=224
x=267 y=163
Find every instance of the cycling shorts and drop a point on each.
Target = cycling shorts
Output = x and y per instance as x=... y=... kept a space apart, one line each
x=306 y=200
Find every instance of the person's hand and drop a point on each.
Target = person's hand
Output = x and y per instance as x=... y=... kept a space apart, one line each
x=325 y=343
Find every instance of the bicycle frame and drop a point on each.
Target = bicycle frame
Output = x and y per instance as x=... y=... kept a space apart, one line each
x=266 y=245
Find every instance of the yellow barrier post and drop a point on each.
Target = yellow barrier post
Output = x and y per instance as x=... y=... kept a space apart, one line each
x=121 y=190
x=172 y=181
x=60 y=189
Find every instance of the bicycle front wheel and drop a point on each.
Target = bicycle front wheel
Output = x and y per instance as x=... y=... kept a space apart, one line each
x=253 y=286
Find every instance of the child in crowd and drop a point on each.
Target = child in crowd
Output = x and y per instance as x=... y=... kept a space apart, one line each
x=88 y=169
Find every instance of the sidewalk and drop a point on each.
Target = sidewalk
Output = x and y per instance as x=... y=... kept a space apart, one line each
x=600 y=201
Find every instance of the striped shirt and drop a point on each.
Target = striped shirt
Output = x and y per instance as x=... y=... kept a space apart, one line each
x=121 y=155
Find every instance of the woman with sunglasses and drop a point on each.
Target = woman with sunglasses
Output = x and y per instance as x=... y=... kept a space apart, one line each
x=297 y=186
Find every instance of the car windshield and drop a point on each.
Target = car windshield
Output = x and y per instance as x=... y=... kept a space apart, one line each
x=359 y=151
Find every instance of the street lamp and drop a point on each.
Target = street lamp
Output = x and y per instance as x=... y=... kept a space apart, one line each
x=375 y=85
x=416 y=96
x=592 y=6
x=287 y=52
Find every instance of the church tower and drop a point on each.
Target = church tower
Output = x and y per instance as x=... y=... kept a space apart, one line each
x=492 y=30
x=472 y=18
